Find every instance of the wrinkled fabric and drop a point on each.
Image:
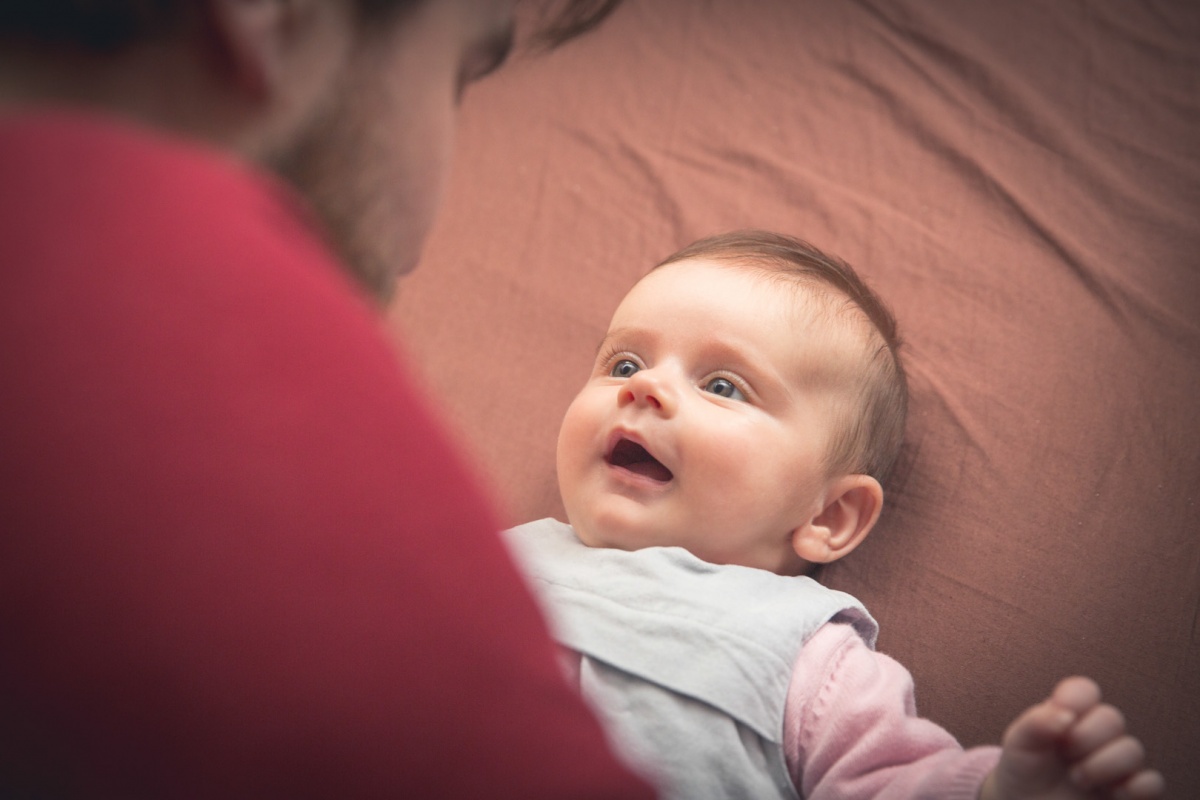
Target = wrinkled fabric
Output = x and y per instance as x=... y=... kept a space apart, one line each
x=1019 y=180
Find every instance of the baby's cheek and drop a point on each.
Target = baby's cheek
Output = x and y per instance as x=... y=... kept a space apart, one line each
x=573 y=437
x=731 y=459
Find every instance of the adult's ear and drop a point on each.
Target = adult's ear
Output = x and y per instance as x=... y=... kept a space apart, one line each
x=251 y=37
x=850 y=508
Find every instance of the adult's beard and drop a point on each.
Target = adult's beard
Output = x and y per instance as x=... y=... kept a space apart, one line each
x=351 y=170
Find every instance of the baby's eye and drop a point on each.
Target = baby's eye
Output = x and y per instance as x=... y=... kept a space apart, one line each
x=724 y=387
x=624 y=368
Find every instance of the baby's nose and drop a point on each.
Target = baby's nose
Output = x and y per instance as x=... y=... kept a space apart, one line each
x=647 y=398
x=645 y=388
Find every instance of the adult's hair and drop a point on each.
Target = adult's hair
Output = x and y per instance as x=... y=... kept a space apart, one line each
x=109 y=25
x=872 y=429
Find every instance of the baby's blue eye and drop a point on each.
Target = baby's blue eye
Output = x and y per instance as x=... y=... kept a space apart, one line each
x=724 y=387
x=624 y=368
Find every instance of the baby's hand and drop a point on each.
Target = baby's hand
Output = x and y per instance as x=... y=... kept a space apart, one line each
x=1071 y=747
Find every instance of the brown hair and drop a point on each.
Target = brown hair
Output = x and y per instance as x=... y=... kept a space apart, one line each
x=869 y=439
x=109 y=25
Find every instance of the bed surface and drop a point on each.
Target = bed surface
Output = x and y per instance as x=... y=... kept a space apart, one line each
x=1021 y=181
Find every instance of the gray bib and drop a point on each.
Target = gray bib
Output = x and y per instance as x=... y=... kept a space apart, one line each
x=687 y=663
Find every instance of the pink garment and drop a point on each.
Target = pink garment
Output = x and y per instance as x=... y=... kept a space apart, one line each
x=851 y=729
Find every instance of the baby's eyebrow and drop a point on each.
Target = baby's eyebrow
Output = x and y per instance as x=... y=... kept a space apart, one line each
x=615 y=333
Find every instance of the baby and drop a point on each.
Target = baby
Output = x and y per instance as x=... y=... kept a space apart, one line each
x=745 y=406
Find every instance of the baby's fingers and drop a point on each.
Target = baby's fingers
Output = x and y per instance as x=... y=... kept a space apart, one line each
x=1146 y=785
x=1038 y=729
x=1043 y=726
x=1104 y=755
x=1077 y=693
x=1113 y=765
x=1093 y=730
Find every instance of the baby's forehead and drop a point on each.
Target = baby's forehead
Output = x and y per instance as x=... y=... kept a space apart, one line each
x=816 y=333
x=809 y=300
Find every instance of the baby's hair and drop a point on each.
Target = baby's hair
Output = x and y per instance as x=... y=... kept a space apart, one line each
x=867 y=442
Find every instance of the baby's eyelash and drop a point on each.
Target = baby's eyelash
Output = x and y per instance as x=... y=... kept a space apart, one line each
x=609 y=352
x=738 y=381
x=605 y=352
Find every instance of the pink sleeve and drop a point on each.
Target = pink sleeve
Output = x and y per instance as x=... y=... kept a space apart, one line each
x=851 y=729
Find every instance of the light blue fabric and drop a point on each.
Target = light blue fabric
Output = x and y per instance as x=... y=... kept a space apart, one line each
x=688 y=663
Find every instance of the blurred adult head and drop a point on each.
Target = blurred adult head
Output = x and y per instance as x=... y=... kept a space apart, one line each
x=353 y=101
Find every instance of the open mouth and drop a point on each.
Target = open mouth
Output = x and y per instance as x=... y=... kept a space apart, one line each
x=633 y=457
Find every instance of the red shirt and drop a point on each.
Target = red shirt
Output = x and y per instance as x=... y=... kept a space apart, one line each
x=237 y=556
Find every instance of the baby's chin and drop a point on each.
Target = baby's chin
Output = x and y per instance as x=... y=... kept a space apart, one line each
x=609 y=535
x=589 y=536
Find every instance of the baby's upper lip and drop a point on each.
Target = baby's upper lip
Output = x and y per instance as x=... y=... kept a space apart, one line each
x=617 y=435
x=628 y=449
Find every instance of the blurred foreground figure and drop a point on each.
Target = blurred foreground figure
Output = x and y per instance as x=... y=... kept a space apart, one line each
x=238 y=557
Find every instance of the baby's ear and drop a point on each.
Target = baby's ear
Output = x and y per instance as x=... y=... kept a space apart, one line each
x=851 y=506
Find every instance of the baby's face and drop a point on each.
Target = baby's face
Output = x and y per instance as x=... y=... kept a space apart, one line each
x=707 y=417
